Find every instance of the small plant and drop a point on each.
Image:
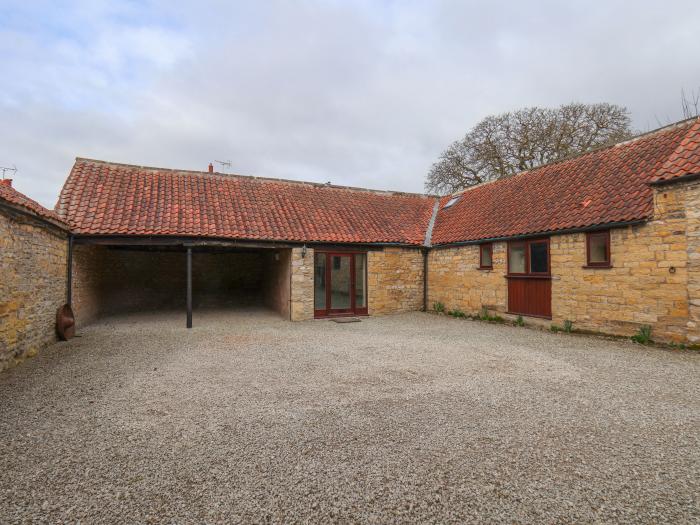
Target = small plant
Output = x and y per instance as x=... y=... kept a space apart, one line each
x=568 y=326
x=439 y=307
x=554 y=328
x=484 y=315
x=459 y=314
x=643 y=335
x=519 y=321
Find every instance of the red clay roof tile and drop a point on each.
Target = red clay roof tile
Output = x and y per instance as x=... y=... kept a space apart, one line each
x=20 y=200
x=685 y=160
x=608 y=185
x=101 y=198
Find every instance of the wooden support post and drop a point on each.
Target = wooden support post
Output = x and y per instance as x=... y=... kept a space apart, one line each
x=189 y=287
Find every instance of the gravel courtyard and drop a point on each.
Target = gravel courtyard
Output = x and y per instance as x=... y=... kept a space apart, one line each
x=414 y=417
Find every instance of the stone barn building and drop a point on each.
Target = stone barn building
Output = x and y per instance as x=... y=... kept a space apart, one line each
x=608 y=240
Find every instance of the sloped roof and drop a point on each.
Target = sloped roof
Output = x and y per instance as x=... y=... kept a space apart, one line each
x=103 y=198
x=685 y=159
x=19 y=200
x=607 y=185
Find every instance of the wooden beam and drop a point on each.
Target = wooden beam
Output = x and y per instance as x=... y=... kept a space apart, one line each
x=165 y=241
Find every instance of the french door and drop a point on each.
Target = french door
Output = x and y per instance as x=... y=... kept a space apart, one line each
x=529 y=278
x=340 y=283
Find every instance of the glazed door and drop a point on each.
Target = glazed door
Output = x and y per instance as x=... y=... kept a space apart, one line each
x=529 y=278
x=339 y=284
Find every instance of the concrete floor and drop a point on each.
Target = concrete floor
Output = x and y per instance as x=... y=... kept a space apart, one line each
x=414 y=417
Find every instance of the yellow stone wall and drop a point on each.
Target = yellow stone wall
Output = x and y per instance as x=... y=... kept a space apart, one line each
x=454 y=279
x=394 y=280
x=90 y=263
x=639 y=289
x=33 y=259
x=655 y=278
x=302 y=300
x=690 y=195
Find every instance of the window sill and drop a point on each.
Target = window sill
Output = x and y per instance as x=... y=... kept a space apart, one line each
x=597 y=266
x=486 y=268
x=528 y=276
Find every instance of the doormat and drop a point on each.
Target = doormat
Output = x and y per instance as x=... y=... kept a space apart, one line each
x=345 y=320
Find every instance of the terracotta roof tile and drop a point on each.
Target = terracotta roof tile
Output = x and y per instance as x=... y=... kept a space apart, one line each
x=685 y=159
x=102 y=198
x=608 y=185
x=604 y=186
x=20 y=200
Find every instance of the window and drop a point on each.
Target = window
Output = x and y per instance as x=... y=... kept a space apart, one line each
x=516 y=257
x=320 y=281
x=486 y=256
x=598 y=249
x=360 y=280
x=528 y=257
x=538 y=257
x=451 y=202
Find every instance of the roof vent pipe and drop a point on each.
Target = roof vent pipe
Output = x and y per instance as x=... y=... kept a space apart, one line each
x=211 y=168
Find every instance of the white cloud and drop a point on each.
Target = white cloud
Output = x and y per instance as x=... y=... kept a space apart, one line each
x=360 y=93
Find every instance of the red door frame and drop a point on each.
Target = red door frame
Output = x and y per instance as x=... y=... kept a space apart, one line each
x=353 y=310
x=535 y=288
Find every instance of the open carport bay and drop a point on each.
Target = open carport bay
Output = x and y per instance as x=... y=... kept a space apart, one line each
x=111 y=280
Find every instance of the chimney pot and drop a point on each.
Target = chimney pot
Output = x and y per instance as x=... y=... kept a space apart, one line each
x=6 y=182
x=211 y=168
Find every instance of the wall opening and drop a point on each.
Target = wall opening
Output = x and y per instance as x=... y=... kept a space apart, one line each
x=116 y=279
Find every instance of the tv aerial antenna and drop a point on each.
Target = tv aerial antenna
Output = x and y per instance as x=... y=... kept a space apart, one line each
x=225 y=164
x=5 y=169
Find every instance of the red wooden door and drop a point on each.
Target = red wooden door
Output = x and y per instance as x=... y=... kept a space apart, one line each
x=529 y=278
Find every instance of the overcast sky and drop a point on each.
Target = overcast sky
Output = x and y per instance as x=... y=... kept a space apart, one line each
x=357 y=93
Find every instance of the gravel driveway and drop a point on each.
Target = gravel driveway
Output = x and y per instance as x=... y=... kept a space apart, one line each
x=414 y=417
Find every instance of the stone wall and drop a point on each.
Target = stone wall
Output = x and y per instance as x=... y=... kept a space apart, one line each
x=649 y=282
x=454 y=279
x=655 y=278
x=89 y=265
x=394 y=280
x=302 y=289
x=33 y=257
x=638 y=290
x=277 y=281
x=691 y=197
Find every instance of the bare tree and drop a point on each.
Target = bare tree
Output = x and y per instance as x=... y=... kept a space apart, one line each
x=502 y=145
x=690 y=103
